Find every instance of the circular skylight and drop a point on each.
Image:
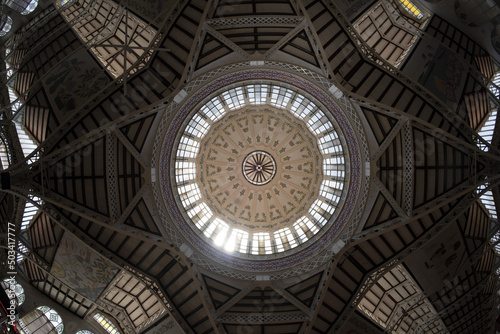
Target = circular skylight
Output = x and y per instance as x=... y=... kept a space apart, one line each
x=260 y=169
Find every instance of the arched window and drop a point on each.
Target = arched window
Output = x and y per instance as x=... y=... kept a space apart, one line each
x=84 y=331
x=14 y=290
x=64 y=3
x=5 y=24
x=53 y=317
x=43 y=319
x=30 y=8
x=106 y=324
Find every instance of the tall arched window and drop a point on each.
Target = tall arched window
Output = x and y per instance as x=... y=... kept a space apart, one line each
x=14 y=290
x=5 y=24
x=43 y=319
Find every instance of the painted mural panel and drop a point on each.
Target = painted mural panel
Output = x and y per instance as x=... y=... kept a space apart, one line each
x=437 y=264
x=438 y=69
x=153 y=11
x=78 y=266
x=73 y=82
x=353 y=8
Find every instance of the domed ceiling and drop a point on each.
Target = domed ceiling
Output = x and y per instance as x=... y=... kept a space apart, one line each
x=261 y=171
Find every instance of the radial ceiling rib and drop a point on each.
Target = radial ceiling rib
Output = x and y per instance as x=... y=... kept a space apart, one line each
x=380 y=213
x=220 y=293
x=305 y=291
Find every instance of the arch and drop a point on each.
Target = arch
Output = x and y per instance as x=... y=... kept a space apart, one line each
x=14 y=290
x=53 y=317
x=106 y=323
x=5 y=24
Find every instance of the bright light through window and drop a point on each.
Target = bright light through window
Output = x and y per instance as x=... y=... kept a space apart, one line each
x=30 y=8
x=53 y=317
x=237 y=238
x=106 y=324
x=7 y=24
x=411 y=8
x=14 y=290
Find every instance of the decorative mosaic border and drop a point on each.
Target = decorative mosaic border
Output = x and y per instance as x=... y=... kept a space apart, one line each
x=264 y=265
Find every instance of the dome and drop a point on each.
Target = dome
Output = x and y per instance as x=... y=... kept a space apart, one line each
x=260 y=172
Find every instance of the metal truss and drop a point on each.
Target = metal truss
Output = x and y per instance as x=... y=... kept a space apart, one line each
x=463 y=299
x=236 y=298
x=194 y=53
x=82 y=110
x=152 y=286
x=119 y=313
x=414 y=246
x=288 y=296
x=254 y=21
x=432 y=206
x=382 y=64
x=318 y=48
x=390 y=137
x=227 y=42
x=390 y=199
x=261 y=318
x=408 y=165
x=111 y=175
x=476 y=311
x=23 y=168
x=401 y=311
x=83 y=238
x=285 y=39
x=9 y=135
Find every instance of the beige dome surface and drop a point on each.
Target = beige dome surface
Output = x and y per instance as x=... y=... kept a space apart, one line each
x=287 y=195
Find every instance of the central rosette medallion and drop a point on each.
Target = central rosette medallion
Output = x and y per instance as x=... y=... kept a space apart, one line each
x=259 y=168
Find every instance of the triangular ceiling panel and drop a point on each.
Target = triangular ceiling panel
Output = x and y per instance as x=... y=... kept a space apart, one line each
x=39 y=119
x=381 y=212
x=23 y=81
x=129 y=172
x=212 y=50
x=438 y=167
x=34 y=273
x=36 y=120
x=306 y=290
x=475 y=227
x=391 y=168
x=81 y=177
x=138 y=131
x=477 y=106
x=300 y=46
x=45 y=236
x=141 y=218
x=227 y=8
x=6 y=203
x=220 y=293
x=380 y=124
